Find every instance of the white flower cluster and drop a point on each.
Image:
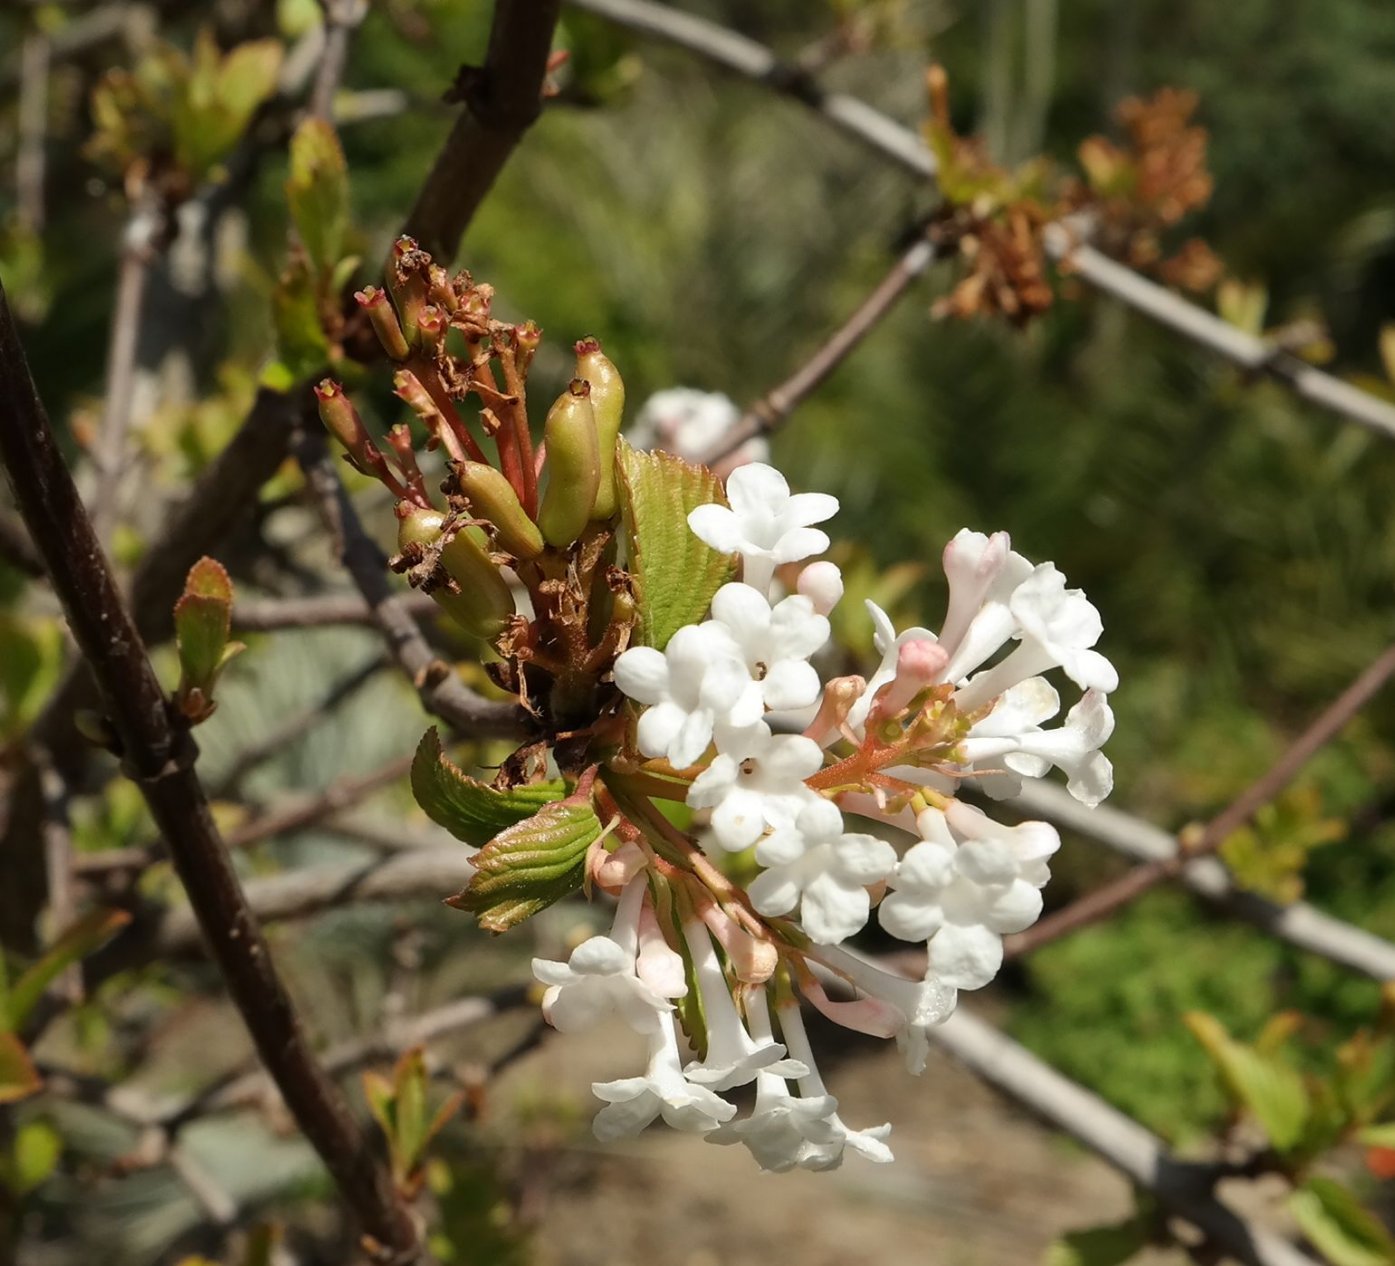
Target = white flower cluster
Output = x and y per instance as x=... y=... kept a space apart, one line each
x=966 y=706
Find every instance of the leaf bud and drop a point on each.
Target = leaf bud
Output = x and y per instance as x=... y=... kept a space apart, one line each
x=573 y=465
x=385 y=324
x=492 y=497
x=608 y=404
x=483 y=603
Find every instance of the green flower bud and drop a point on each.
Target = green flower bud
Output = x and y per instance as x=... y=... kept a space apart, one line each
x=409 y=280
x=573 y=465
x=492 y=497
x=484 y=604
x=385 y=325
x=608 y=404
x=340 y=417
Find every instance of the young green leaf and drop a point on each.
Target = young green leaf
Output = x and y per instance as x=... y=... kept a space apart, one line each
x=675 y=573
x=318 y=193
x=74 y=944
x=1344 y=1232
x=470 y=810
x=1269 y=1088
x=37 y=1148
x=1103 y=1245
x=530 y=865
x=202 y=625
x=18 y=1079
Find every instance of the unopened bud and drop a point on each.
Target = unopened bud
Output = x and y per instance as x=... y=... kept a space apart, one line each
x=431 y=327
x=919 y=664
x=573 y=465
x=528 y=338
x=385 y=324
x=492 y=497
x=339 y=416
x=409 y=281
x=608 y=404
x=442 y=292
x=408 y=388
x=822 y=584
x=483 y=604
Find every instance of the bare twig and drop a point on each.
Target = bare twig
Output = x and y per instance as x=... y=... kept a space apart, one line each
x=441 y=691
x=903 y=146
x=159 y=757
x=138 y=248
x=341 y=19
x=502 y=99
x=297 y=894
x=1128 y=887
x=272 y=615
x=30 y=164
x=777 y=404
x=1299 y=924
x=1185 y=1190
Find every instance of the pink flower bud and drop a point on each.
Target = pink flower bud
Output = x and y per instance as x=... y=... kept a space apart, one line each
x=822 y=584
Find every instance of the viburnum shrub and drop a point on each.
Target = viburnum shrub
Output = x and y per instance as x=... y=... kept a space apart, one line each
x=663 y=633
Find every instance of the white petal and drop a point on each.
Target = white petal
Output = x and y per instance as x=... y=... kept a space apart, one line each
x=790 y=683
x=863 y=859
x=774 y=892
x=965 y=957
x=799 y=543
x=718 y=527
x=908 y=917
x=805 y=508
x=642 y=673
x=658 y=727
x=757 y=487
x=692 y=740
x=831 y=912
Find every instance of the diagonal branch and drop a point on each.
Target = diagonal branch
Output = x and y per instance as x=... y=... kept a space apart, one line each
x=1135 y=1151
x=752 y=60
x=502 y=100
x=771 y=410
x=1128 y=887
x=272 y=615
x=159 y=757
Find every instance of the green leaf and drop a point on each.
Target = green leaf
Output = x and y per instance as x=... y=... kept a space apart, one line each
x=1339 y=1227
x=202 y=624
x=36 y=1151
x=1378 y=1135
x=1101 y=1245
x=74 y=944
x=530 y=865
x=675 y=573
x=301 y=342
x=31 y=659
x=1269 y=1088
x=470 y=810
x=18 y=1080
x=318 y=192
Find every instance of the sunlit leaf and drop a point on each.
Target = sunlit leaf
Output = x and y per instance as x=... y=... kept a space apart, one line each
x=1339 y=1227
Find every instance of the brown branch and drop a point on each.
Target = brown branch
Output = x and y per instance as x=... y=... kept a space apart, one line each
x=1128 y=887
x=159 y=757
x=272 y=615
x=502 y=99
x=341 y=19
x=904 y=147
x=441 y=691
x=777 y=404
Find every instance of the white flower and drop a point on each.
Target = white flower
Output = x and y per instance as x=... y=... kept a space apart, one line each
x=775 y=642
x=1011 y=736
x=697 y=682
x=1058 y=626
x=983 y=572
x=734 y=1056
x=905 y=1009
x=633 y=1102
x=969 y=882
x=758 y=784
x=889 y=643
x=826 y=873
x=601 y=977
x=693 y=423
x=765 y=524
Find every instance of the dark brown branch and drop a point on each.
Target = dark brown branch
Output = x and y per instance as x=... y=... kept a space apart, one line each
x=159 y=757
x=502 y=99
x=1128 y=887
x=777 y=404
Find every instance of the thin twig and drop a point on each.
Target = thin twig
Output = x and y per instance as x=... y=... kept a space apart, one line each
x=1135 y=1151
x=777 y=404
x=138 y=247
x=903 y=146
x=30 y=164
x=441 y=691
x=271 y=615
x=502 y=99
x=1128 y=887
x=1298 y=924
x=159 y=757
x=341 y=19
